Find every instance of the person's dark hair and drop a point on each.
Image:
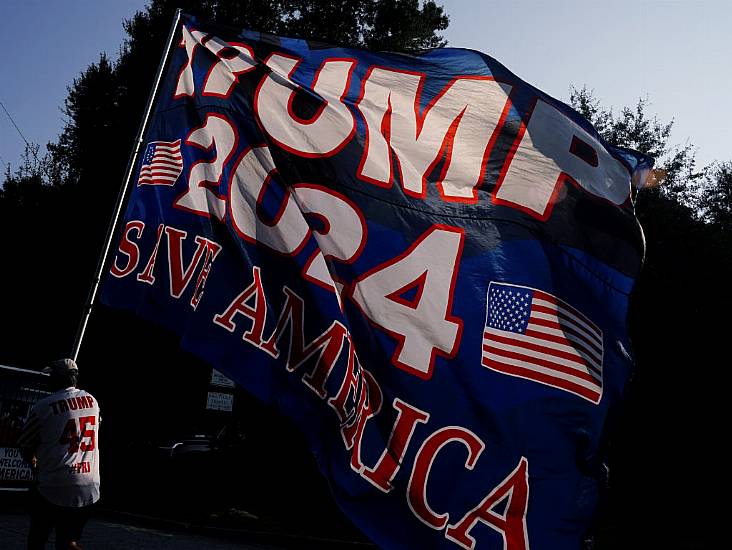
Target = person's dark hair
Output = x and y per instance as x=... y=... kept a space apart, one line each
x=64 y=380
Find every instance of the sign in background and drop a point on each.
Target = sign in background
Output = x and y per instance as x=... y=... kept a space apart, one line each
x=421 y=259
x=12 y=465
x=218 y=379
x=217 y=401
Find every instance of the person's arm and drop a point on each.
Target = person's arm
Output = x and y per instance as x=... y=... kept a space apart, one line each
x=29 y=438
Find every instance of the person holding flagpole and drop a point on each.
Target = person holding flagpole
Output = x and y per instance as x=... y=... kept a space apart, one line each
x=60 y=441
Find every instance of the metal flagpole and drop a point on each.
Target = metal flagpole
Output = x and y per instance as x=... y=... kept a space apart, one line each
x=123 y=191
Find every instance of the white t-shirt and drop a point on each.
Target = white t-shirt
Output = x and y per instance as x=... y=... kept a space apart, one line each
x=67 y=447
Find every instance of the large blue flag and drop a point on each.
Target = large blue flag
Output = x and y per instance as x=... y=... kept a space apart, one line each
x=421 y=259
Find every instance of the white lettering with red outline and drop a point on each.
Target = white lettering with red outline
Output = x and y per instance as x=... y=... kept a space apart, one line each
x=233 y=59
x=463 y=109
x=190 y=40
x=147 y=274
x=425 y=326
x=417 y=486
x=382 y=474
x=327 y=131
x=129 y=249
x=511 y=524
x=550 y=149
x=204 y=176
x=253 y=172
x=349 y=385
x=358 y=399
x=329 y=343
x=370 y=399
x=465 y=118
x=178 y=276
x=205 y=271
x=256 y=313
x=342 y=237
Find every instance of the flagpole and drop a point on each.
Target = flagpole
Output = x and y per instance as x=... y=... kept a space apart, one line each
x=111 y=231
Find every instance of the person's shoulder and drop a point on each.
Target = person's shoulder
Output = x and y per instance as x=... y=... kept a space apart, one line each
x=45 y=401
x=88 y=394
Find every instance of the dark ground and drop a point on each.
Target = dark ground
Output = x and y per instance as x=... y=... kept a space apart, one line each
x=114 y=530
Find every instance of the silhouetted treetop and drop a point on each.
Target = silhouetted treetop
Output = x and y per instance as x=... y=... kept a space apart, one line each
x=399 y=25
x=633 y=128
x=105 y=103
x=716 y=196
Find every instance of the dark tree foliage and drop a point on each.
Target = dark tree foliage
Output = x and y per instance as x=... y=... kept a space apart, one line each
x=398 y=26
x=27 y=187
x=715 y=198
x=634 y=129
x=92 y=111
x=662 y=435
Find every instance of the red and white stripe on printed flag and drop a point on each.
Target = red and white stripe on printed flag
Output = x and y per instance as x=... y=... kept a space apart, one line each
x=534 y=335
x=162 y=163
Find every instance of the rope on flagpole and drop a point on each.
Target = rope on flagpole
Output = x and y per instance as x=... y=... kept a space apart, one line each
x=14 y=124
x=121 y=198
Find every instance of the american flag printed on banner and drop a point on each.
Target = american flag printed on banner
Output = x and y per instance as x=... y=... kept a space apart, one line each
x=534 y=335
x=162 y=163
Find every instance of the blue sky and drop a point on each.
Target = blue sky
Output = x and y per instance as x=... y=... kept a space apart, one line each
x=677 y=53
